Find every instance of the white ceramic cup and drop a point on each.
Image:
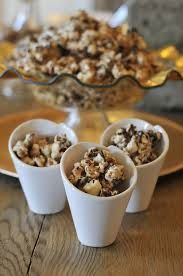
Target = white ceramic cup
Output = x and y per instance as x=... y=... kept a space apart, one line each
x=97 y=219
x=147 y=173
x=42 y=186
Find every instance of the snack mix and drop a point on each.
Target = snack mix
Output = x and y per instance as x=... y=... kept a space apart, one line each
x=99 y=173
x=87 y=48
x=41 y=151
x=142 y=146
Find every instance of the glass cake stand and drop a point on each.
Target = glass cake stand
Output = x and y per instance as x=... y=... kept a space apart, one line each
x=69 y=94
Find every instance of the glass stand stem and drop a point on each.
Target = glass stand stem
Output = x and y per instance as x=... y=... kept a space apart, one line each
x=89 y=125
x=73 y=120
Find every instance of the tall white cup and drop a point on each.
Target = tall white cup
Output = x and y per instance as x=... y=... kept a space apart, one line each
x=147 y=173
x=42 y=186
x=97 y=219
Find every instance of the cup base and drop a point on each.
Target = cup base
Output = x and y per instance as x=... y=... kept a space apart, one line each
x=137 y=210
x=46 y=212
x=97 y=244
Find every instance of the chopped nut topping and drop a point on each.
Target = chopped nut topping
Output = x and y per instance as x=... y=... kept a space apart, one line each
x=141 y=146
x=98 y=173
x=41 y=151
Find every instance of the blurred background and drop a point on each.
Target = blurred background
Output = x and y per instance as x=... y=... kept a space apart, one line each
x=159 y=21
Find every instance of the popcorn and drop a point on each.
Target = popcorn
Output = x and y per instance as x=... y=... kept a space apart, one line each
x=20 y=149
x=132 y=146
x=55 y=148
x=93 y=52
x=77 y=171
x=114 y=172
x=29 y=139
x=91 y=170
x=93 y=187
x=141 y=146
x=46 y=150
x=50 y=162
x=35 y=150
x=28 y=160
x=98 y=173
x=40 y=160
x=98 y=158
x=81 y=38
x=41 y=151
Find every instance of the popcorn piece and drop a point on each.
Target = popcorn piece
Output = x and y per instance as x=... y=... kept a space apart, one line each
x=46 y=150
x=91 y=153
x=131 y=130
x=30 y=139
x=132 y=146
x=107 y=192
x=20 y=149
x=35 y=151
x=40 y=160
x=50 y=162
x=73 y=179
x=93 y=187
x=108 y=157
x=144 y=139
x=102 y=166
x=92 y=171
x=28 y=160
x=42 y=142
x=119 y=139
x=98 y=158
x=115 y=172
x=77 y=171
x=92 y=49
x=55 y=151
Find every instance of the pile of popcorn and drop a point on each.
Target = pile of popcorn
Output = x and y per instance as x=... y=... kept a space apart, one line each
x=90 y=49
x=41 y=151
x=142 y=146
x=99 y=173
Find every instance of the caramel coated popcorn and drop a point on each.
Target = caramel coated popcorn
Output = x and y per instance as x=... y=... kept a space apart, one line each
x=41 y=151
x=99 y=173
x=141 y=146
x=89 y=49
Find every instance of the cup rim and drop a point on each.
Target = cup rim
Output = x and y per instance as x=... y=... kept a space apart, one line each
x=160 y=128
x=24 y=124
x=86 y=195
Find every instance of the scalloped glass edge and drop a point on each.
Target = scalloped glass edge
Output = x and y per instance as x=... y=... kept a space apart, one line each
x=157 y=80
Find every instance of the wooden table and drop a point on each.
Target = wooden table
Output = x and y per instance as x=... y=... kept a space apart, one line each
x=149 y=243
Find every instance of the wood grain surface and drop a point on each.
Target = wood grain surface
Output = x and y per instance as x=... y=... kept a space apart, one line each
x=149 y=243
x=19 y=229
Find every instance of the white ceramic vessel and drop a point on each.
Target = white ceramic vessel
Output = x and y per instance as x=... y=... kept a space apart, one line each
x=97 y=219
x=147 y=173
x=42 y=186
